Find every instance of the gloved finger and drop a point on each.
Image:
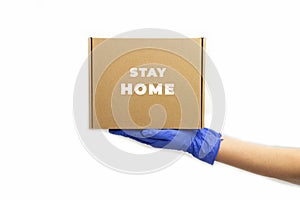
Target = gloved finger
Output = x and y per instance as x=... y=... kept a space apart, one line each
x=133 y=134
x=117 y=132
x=127 y=132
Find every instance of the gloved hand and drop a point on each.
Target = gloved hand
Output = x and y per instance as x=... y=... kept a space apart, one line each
x=203 y=143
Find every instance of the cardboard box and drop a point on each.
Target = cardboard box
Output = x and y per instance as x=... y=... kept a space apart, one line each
x=138 y=83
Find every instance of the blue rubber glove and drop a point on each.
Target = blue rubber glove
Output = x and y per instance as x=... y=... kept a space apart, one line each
x=203 y=143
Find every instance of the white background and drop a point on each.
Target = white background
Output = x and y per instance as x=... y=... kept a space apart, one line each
x=254 y=44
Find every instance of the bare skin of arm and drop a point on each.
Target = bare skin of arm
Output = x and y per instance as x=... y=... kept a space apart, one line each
x=275 y=162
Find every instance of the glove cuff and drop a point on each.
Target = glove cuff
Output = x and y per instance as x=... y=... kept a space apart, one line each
x=206 y=145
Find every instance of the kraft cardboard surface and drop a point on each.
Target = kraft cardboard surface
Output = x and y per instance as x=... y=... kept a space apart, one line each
x=138 y=83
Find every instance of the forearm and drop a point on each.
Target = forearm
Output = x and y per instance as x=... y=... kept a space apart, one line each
x=280 y=163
